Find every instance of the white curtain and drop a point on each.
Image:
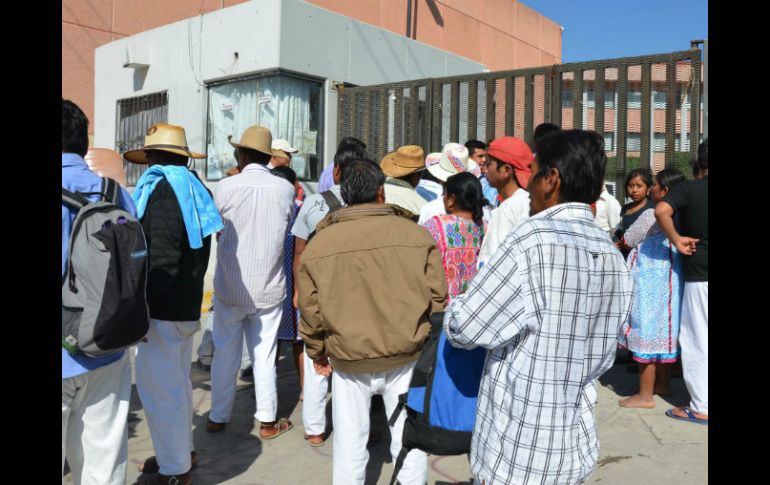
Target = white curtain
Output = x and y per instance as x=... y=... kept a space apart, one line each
x=232 y=109
x=287 y=115
x=280 y=104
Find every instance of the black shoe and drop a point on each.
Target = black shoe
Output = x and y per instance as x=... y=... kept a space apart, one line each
x=247 y=372
x=202 y=366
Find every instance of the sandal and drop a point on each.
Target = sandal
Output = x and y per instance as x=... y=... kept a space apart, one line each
x=315 y=439
x=150 y=465
x=280 y=427
x=691 y=418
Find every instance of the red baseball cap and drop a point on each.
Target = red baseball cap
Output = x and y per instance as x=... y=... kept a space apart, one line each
x=516 y=153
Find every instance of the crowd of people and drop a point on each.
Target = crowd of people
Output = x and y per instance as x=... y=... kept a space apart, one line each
x=520 y=244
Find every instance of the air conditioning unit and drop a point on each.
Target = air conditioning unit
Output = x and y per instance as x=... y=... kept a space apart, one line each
x=137 y=56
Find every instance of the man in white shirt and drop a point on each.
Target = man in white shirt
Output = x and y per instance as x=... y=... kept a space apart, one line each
x=607 y=211
x=284 y=148
x=404 y=170
x=508 y=170
x=547 y=307
x=250 y=283
x=315 y=208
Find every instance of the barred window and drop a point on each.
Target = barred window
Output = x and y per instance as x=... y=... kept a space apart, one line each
x=134 y=117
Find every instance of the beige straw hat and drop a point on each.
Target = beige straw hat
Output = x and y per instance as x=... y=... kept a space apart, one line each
x=163 y=137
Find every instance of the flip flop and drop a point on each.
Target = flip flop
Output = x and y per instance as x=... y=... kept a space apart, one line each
x=690 y=416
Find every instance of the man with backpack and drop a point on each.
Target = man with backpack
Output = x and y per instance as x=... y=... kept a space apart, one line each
x=95 y=390
x=313 y=210
x=368 y=283
x=178 y=216
x=548 y=307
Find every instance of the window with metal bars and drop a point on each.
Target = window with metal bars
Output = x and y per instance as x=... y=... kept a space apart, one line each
x=134 y=117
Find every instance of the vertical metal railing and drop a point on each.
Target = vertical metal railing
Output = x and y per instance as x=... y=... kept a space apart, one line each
x=431 y=112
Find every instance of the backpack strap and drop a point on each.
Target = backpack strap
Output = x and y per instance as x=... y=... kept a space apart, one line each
x=110 y=190
x=399 y=464
x=398 y=410
x=74 y=199
x=331 y=200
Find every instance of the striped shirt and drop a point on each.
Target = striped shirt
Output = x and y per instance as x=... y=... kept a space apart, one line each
x=548 y=307
x=256 y=208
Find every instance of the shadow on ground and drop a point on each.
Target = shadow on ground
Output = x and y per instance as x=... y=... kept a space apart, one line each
x=623 y=380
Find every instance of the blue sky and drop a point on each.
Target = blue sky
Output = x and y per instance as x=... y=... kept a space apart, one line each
x=603 y=29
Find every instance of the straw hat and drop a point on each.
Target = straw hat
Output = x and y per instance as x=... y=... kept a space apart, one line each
x=257 y=138
x=165 y=138
x=452 y=160
x=404 y=161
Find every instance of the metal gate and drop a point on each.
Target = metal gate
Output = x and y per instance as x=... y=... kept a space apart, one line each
x=647 y=108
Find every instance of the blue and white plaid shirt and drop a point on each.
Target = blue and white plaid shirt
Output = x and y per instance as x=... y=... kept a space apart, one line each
x=548 y=307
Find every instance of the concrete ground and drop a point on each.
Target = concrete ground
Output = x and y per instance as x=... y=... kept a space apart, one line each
x=637 y=446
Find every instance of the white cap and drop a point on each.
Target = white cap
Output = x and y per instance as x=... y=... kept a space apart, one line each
x=281 y=144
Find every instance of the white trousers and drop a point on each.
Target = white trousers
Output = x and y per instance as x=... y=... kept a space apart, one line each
x=206 y=347
x=350 y=412
x=314 y=390
x=694 y=341
x=260 y=329
x=94 y=426
x=164 y=386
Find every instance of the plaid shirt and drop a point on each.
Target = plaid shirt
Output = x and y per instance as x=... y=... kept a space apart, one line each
x=548 y=306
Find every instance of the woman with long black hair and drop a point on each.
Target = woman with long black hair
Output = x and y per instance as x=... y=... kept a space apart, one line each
x=460 y=231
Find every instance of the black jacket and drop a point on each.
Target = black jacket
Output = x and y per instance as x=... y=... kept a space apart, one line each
x=175 y=278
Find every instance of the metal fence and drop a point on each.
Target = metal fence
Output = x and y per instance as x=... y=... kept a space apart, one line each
x=647 y=108
x=134 y=117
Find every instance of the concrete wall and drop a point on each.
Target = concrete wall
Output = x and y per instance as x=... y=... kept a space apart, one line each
x=269 y=34
x=501 y=34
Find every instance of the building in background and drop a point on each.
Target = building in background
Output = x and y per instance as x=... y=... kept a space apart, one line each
x=216 y=66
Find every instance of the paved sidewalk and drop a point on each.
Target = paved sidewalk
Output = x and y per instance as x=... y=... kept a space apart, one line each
x=638 y=447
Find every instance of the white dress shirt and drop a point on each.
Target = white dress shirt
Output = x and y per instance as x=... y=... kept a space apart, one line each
x=256 y=208
x=436 y=208
x=547 y=307
x=511 y=211
x=607 y=211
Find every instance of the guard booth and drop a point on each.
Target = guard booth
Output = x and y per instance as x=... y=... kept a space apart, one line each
x=647 y=108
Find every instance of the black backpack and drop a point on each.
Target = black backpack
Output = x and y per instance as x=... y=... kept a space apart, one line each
x=103 y=291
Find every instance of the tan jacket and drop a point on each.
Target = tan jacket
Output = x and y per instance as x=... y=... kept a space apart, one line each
x=368 y=282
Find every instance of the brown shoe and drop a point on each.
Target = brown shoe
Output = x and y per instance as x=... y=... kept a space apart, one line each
x=315 y=439
x=269 y=431
x=213 y=426
x=150 y=465
x=184 y=479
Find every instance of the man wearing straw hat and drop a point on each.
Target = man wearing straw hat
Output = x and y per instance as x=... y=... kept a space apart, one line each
x=250 y=283
x=403 y=168
x=178 y=216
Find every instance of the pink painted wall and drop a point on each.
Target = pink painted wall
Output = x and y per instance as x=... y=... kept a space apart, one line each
x=502 y=34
